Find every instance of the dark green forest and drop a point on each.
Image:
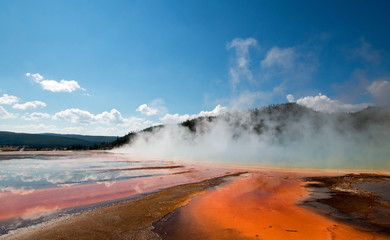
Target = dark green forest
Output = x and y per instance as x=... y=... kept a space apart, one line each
x=52 y=141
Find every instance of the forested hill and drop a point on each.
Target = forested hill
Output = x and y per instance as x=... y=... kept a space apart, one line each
x=284 y=122
x=277 y=120
x=50 y=140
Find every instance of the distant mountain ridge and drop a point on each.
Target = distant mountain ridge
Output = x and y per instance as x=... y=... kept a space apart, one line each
x=88 y=138
x=51 y=140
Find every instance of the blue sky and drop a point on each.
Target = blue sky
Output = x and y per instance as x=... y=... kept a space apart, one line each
x=110 y=67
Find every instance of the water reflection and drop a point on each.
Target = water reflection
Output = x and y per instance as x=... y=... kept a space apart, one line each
x=18 y=175
x=33 y=189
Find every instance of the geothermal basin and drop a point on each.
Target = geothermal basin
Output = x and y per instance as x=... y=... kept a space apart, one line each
x=104 y=195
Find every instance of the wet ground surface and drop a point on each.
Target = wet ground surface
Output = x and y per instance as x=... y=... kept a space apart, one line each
x=358 y=199
x=266 y=205
x=112 y=196
x=37 y=187
x=127 y=220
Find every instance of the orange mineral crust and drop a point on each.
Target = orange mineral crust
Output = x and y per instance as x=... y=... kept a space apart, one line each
x=261 y=205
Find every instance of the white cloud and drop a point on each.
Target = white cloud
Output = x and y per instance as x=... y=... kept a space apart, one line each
x=176 y=118
x=380 y=90
x=322 y=103
x=110 y=123
x=29 y=105
x=290 y=98
x=55 y=86
x=112 y=118
x=5 y=115
x=290 y=66
x=281 y=68
x=156 y=107
x=241 y=66
x=145 y=109
x=35 y=116
x=280 y=57
x=215 y=112
x=366 y=52
x=38 y=77
x=8 y=99
x=75 y=115
x=62 y=86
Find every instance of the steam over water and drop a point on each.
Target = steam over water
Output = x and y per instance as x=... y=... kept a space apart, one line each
x=286 y=135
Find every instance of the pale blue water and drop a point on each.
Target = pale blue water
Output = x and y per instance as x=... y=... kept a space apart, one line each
x=22 y=173
x=32 y=173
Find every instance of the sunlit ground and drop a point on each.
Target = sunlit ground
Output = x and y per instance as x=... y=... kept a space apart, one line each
x=34 y=188
x=253 y=204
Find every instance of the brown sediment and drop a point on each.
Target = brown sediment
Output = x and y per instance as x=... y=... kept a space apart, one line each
x=146 y=168
x=127 y=220
x=264 y=205
x=351 y=204
x=183 y=172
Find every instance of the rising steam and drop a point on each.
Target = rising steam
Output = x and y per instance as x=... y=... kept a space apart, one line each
x=287 y=135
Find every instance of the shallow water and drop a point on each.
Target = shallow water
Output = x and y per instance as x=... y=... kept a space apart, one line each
x=18 y=175
x=38 y=187
x=382 y=189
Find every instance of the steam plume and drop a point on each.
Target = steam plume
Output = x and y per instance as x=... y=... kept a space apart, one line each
x=287 y=135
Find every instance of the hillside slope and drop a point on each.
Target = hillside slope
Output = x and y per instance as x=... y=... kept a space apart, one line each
x=50 y=140
x=277 y=120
